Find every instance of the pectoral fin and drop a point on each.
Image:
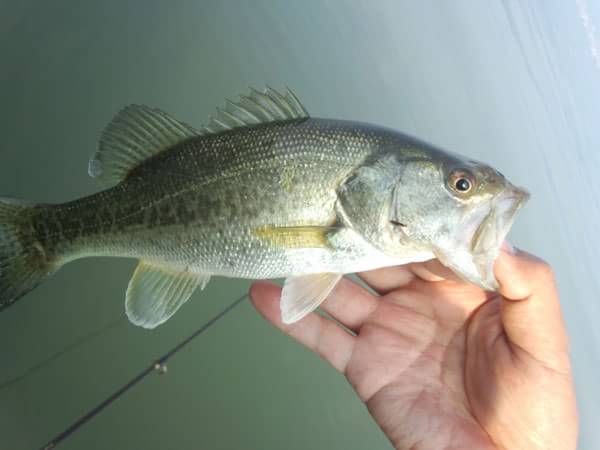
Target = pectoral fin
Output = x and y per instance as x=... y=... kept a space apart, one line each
x=296 y=237
x=156 y=292
x=303 y=294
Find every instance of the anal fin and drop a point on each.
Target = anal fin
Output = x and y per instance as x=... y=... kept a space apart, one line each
x=303 y=294
x=156 y=292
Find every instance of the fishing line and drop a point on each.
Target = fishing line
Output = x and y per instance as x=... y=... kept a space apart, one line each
x=158 y=365
x=78 y=343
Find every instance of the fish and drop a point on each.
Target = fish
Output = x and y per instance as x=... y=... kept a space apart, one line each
x=262 y=191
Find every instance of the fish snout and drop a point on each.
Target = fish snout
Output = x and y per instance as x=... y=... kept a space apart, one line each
x=495 y=226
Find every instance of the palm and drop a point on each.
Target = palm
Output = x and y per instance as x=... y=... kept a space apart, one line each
x=435 y=361
x=409 y=363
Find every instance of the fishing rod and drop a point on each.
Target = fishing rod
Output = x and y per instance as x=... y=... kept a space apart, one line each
x=157 y=366
x=59 y=354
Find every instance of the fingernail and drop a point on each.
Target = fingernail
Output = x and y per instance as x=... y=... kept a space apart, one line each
x=508 y=248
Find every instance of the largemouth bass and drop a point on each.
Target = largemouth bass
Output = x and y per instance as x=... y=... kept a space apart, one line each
x=262 y=191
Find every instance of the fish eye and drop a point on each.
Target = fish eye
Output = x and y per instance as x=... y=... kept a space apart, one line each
x=461 y=181
x=462 y=185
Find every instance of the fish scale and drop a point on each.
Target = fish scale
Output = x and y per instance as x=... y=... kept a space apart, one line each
x=221 y=202
x=262 y=191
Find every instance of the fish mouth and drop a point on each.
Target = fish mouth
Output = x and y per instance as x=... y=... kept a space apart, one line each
x=481 y=233
x=497 y=223
x=491 y=232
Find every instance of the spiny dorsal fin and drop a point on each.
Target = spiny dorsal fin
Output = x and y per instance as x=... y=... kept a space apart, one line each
x=138 y=132
x=256 y=108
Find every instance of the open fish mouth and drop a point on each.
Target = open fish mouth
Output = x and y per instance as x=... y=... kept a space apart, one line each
x=482 y=235
x=489 y=235
x=497 y=223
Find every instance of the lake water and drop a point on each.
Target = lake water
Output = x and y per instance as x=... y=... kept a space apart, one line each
x=513 y=83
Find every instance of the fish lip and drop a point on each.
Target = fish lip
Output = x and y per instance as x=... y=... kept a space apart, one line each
x=485 y=230
x=494 y=227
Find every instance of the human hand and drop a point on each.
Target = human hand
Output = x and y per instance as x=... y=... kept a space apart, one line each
x=442 y=364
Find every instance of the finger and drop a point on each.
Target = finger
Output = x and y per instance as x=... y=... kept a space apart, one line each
x=530 y=308
x=389 y=279
x=350 y=304
x=319 y=334
x=434 y=270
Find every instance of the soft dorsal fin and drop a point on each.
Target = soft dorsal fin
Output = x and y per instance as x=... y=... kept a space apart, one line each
x=135 y=134
x=138 y=132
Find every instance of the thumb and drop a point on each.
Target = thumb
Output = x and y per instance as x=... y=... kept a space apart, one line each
x=530 y=307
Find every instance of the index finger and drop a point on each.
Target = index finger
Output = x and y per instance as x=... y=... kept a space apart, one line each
x=321 y=335
x=389 y=279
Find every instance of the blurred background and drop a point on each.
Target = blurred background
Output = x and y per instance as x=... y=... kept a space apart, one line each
x=513 y=83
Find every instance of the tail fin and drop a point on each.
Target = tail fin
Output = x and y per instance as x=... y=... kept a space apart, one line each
x=23 y=260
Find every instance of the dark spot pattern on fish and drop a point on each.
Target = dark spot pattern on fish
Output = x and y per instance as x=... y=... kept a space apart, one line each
x=215 y=188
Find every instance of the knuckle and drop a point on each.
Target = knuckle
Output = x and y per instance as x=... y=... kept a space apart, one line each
x=544 y=270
